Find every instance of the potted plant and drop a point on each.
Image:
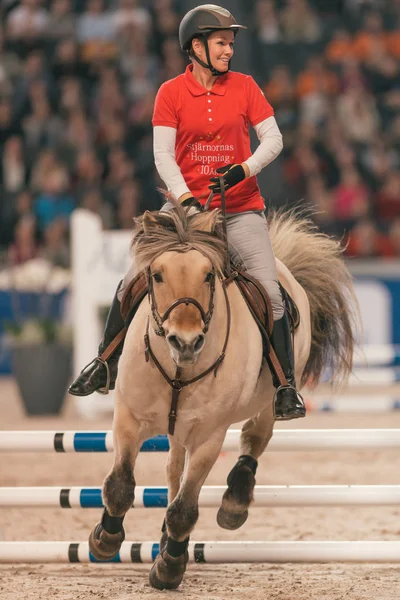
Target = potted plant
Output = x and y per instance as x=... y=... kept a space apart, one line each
x=40 y=343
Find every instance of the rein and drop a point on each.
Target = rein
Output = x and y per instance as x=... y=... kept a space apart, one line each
x=177 y=384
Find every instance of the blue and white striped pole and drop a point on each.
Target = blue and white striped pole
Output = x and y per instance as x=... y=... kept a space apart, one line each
x=210 y=552
x=283 y=440
x=210 y=496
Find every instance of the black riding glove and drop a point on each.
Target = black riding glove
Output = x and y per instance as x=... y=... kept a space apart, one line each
x=232 y=174
x=194 y=205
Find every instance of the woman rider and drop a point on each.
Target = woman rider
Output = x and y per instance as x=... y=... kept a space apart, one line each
x=200 y=125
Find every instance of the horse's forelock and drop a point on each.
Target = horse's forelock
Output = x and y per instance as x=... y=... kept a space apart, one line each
x=176 y=231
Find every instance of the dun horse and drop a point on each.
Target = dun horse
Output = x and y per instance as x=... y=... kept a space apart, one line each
x=193 y=324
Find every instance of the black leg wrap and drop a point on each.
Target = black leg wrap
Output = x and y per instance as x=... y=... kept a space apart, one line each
x=176 y=549
x=243 y=461
x=111 y=524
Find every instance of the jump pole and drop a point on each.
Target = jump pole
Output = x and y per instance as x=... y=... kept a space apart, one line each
x=210 y=496
x=210 y=552
x=284 y=440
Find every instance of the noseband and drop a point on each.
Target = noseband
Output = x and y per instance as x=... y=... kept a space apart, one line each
x=160 y=319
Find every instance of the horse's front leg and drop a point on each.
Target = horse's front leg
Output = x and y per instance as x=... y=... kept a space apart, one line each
x=175 y=466
x=182 y=514
x=119 y=486
x=256 y=433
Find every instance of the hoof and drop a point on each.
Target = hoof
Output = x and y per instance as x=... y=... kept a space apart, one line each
x=167 y=571
x=104 y=545
x=228 y=520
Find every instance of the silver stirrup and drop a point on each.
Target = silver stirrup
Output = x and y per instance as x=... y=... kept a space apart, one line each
x=104 y=390
x=286 y=387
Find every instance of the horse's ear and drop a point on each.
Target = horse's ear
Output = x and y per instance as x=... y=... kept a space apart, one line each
x=149 y=221
x=206 y=221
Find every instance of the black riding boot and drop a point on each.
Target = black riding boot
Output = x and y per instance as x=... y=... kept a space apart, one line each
x=288 y=402
x=94 y=377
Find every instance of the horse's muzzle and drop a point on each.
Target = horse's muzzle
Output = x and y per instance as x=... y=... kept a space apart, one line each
x=185 y=352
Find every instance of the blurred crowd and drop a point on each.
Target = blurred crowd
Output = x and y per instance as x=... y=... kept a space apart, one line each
x=77 y=85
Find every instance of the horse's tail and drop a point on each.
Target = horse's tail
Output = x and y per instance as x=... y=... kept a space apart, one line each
x=315 y=260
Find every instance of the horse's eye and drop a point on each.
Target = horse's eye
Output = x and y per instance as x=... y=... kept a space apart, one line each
x=157 y=277
x=209 y=277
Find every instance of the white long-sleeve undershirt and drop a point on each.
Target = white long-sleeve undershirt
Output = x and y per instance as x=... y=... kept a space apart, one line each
x=164 y=140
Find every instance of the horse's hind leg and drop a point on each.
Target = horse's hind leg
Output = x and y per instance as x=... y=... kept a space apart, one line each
x=182 y=514
x=256 y=433
x=119 y=486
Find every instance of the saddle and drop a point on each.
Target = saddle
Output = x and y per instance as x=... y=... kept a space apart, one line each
x=253 y=292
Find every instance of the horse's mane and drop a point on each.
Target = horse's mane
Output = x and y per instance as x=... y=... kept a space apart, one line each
x=158 y=232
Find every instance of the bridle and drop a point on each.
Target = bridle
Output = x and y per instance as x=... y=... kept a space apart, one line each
x=160 y=319
x=177 y=384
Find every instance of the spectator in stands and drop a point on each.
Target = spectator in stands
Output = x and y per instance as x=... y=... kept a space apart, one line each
x=61 y=22
x=341 y=48
x=24 y=246
x=378 y=160
x=54 y=202
x=366 y=241
x=388 y=198
x=300 y=23
x=358 y=115
x=320 y=199
x=67 y=63
x=88 y=172
x=78 y=134
x=351 y=75
x=13 y=210
x=14 y=171
x=128 y=204
x=316 y=78
x=139 y=67
x=41 y=127
x=46 y=161
x=93 y=200
x=129 y=17
x=371 y=38
x=350 y=197
x=174 y=62
x=26 y=25
x=394 y=237
x=96 y=33
x=267 y=22
x=55 y=247
x=10 y=66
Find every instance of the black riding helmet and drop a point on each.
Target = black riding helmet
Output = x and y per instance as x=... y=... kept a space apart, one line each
x=199 y=23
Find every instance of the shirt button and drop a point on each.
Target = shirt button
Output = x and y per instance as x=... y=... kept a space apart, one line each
x=209 y=110
x=208 y=93
x=209 y=101
x=210 y=119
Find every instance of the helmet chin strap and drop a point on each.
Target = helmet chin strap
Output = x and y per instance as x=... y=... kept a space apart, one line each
x=208 y=64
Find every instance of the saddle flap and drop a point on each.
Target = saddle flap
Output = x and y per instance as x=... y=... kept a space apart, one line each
x=256 y=298
x=134 y=294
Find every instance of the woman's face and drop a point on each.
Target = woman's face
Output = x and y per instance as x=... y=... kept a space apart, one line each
x=220 y=45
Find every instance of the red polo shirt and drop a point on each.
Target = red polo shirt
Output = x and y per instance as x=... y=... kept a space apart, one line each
x=213 y=130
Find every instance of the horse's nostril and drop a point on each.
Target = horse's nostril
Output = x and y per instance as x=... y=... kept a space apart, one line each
x=174 y=341
x=199 y=343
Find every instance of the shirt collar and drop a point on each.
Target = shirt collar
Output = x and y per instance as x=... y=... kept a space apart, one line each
x=197 y=89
